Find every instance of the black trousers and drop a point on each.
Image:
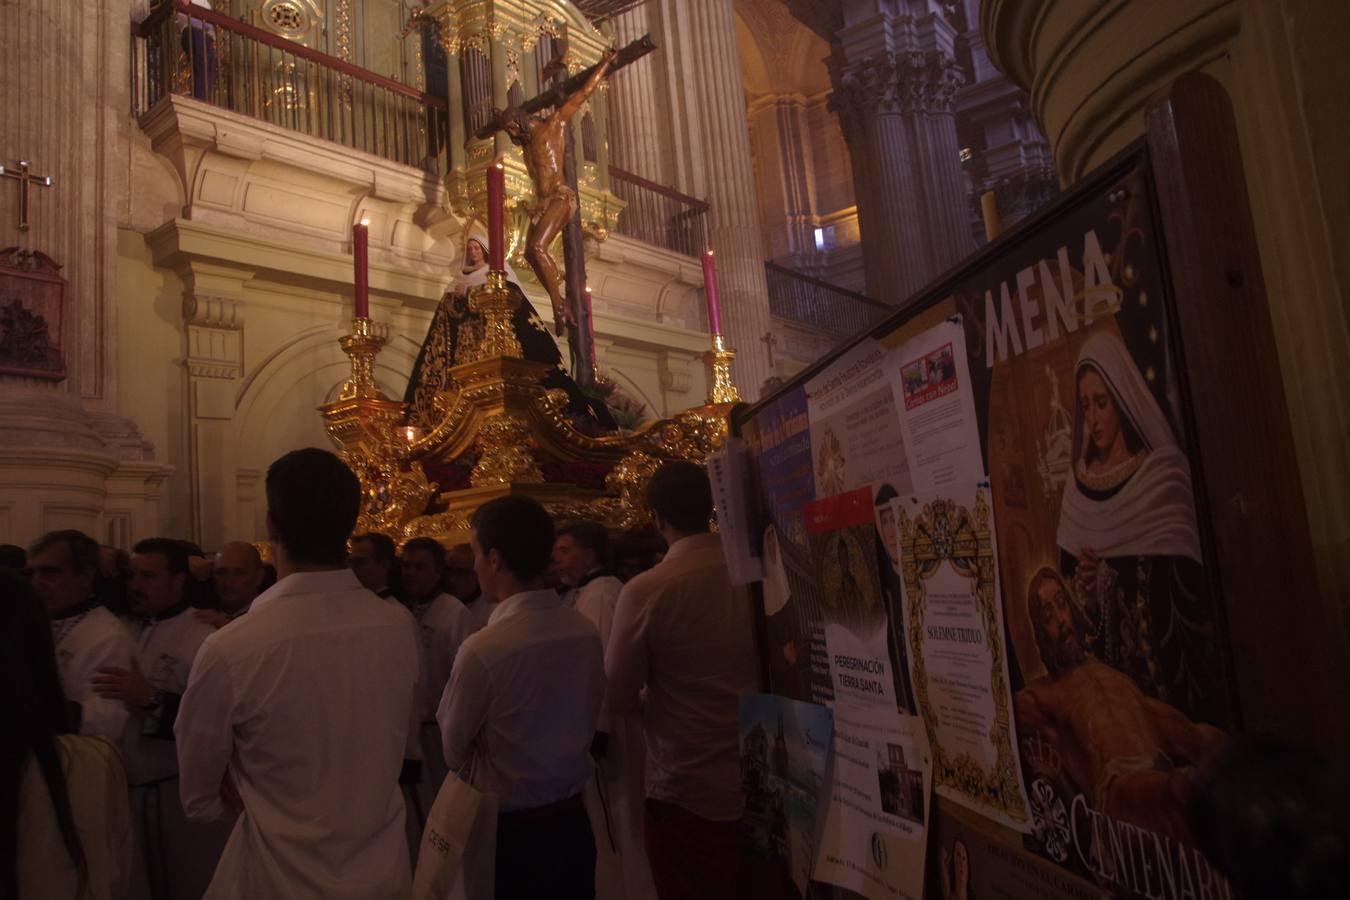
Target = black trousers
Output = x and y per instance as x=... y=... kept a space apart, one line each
x=546 y=852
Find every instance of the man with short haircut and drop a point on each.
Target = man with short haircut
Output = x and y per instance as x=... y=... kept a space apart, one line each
x=520 y=711
x=298 y=712
x=237 y=573
x=178 y=857
x=443 y=624
x=63 y=566
x=372 y=558
x=683 y=632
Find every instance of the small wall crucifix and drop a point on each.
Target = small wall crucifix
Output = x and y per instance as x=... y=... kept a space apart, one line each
x=770 y=342
x=20 y=174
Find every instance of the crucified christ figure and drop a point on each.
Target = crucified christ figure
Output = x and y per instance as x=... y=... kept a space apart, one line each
x=544 y=140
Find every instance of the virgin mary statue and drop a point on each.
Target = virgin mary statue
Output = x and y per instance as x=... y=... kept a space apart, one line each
x=1128 y=534
x=456 y=332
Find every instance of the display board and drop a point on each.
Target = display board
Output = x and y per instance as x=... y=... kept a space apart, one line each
x=985 y=521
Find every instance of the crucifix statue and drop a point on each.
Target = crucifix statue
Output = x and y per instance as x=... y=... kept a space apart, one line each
x=550 y=159
x=21 y=175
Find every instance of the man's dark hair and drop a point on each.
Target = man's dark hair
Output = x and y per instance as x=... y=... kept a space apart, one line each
x=82 y=549
x=428 y=545
x=12 y=557
x=681 y=495
x=591 y=535
x=520 y=530
x=381 y=545
x=174 y=551
x=885 y=494
x=313 y=500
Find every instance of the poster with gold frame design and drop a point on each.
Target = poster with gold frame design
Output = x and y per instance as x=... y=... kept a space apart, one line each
x=954 y=620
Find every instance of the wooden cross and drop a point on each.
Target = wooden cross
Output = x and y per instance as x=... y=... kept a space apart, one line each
x=20 y=174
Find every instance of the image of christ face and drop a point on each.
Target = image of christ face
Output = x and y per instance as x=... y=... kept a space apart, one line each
x=475 y=253
x=518 y=127
x=1100 y=416
x=1056 y=630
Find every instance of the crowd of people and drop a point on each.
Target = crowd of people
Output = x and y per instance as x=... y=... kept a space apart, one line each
x=180 y=724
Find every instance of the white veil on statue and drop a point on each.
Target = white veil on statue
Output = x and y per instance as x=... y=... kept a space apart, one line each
x=1152 y=513
x=471 y=275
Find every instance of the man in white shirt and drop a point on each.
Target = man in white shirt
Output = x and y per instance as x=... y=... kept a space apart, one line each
x=176 y=857
x=520 y=711
x=684 y=633
x=581 y=559
x=373 y=557
x=297 y=714
x=63 y=566
x=443 y=624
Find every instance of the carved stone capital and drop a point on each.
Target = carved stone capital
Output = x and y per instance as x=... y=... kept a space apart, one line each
x=909 y=82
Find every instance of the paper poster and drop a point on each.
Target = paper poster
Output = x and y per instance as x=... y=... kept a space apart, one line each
x=728 y=474
x=875 y=831
x=936 y=401
x=855 y=428
x=957 y=652
x=785 y=748
x=779 y=441
x=855 y=615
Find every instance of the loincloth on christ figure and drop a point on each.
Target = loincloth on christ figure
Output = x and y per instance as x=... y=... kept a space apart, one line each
x=562 y=192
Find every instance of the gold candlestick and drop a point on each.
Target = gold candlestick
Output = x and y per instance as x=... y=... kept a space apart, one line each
x=361 y=346
x=721 y=389
x=497 y=302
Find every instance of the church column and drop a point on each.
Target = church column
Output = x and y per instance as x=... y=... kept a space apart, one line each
x=213 y=318
x=635 y=144
x=784 y=154
x=895 y=75
x=704 y=55
x=890 y=213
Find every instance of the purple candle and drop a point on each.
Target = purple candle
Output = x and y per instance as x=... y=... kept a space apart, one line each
x=710 y=288
x=496 y=213
x=361 y=255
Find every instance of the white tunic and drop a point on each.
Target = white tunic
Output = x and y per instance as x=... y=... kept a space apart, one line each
x=523 y=701
x=165 y=650
x=443 y=624
x=86 y=642
x=305 y=702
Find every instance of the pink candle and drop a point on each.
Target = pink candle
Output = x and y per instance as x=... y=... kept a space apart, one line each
x=496 y=214
x=361 y=254
x=710 y=288
x=590 y=325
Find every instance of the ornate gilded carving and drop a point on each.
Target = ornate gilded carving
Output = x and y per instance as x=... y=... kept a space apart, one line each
x=721 y=389
x=496 y=413
x=498 y=304
x=361 y=345
x=505 y=442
